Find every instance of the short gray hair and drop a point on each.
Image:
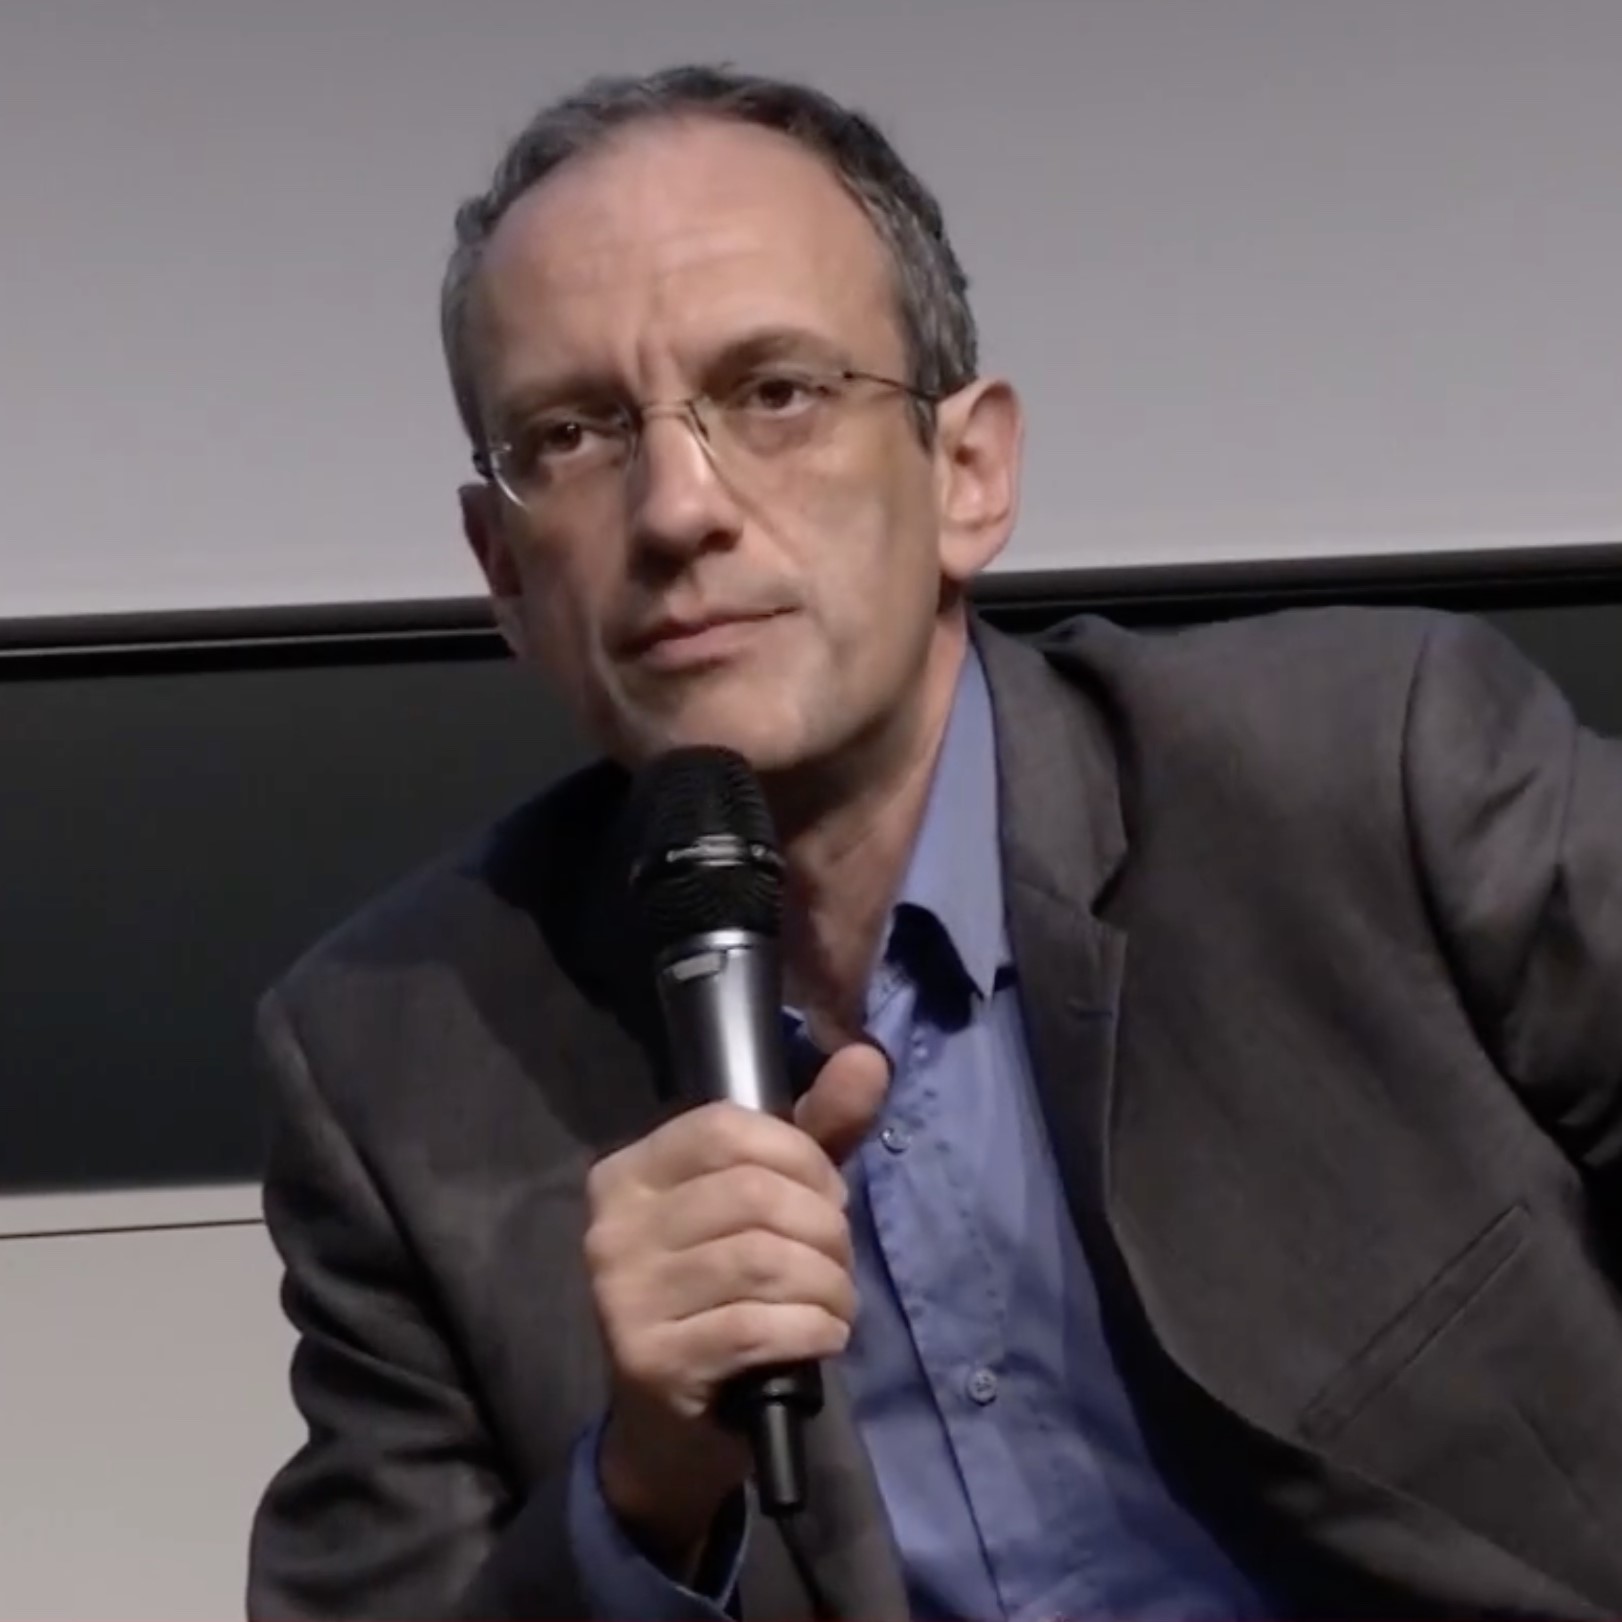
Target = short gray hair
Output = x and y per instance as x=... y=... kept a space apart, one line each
x=937 y=325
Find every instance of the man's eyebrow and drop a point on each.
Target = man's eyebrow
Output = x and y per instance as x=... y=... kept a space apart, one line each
x=767 y=344
x=582 y=387
x=585 y=386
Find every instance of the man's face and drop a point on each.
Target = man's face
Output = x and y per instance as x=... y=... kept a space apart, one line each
x=783 y=606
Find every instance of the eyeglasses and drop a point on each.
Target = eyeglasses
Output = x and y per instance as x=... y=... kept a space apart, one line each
x=753 y=430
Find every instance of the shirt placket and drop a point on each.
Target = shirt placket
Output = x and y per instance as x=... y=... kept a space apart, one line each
x=928 y=1224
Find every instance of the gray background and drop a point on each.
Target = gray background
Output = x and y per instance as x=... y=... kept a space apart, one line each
x=1277 y=276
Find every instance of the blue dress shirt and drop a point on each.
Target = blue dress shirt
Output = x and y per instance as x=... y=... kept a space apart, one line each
x=1006 y=1450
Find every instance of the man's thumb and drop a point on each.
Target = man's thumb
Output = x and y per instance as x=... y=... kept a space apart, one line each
x=840 y=1106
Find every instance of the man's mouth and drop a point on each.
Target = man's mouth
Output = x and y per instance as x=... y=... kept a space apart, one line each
x=677 y=643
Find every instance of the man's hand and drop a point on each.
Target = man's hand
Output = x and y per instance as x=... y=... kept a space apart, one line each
x=718 y=1243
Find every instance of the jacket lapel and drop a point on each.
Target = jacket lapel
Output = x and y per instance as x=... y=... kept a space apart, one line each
x=1062 y=841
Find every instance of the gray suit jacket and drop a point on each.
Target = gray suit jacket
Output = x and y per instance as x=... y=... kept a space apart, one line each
x=1318 y=923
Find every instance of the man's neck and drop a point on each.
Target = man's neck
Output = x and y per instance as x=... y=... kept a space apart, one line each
x=847 y=863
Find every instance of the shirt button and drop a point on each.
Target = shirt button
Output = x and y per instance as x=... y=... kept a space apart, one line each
x=983 y=1386
x=895 y=1139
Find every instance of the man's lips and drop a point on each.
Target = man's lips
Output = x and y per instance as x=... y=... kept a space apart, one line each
x=674 y=641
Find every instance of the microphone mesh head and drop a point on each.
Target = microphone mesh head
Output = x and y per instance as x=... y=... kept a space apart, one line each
x=704 y=852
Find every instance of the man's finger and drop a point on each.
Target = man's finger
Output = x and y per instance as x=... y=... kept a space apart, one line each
x=841 y=1105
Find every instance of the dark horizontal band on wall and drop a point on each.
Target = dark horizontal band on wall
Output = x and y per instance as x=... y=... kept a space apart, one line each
x=1474 y=582
x=1025 y=601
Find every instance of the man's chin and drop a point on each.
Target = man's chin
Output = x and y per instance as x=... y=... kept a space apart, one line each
x=747 y=723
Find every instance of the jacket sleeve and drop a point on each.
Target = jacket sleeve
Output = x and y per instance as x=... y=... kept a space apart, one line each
x=1515 y=812
x=395 y=1506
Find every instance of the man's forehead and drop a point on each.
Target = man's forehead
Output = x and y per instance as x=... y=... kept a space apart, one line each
x=685 y=215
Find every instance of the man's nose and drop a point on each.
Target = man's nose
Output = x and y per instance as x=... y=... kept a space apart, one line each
x=679 y=499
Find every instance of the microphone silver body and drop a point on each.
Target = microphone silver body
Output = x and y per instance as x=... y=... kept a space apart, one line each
x=722 y=994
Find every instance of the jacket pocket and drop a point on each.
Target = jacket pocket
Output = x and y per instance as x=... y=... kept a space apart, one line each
x=1404 y=1338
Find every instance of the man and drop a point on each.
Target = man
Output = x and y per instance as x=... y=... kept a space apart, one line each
x=1199 y=1210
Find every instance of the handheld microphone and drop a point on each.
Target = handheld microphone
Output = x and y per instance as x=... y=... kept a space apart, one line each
x=707 y=878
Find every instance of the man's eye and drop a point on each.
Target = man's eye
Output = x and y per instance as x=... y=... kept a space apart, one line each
x=778 y=394
x=551 y=442
x=561 y=436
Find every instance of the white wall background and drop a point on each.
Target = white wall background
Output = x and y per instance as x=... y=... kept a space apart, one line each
x=143 y=1406
x=1278 y=276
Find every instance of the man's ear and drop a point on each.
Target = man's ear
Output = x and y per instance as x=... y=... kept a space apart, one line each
x=980 y=433
x=487 y=538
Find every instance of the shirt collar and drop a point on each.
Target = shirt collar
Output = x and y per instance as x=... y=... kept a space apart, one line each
x=955 y=871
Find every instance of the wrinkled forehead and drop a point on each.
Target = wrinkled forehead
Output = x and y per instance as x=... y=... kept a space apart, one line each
x=651 y=252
